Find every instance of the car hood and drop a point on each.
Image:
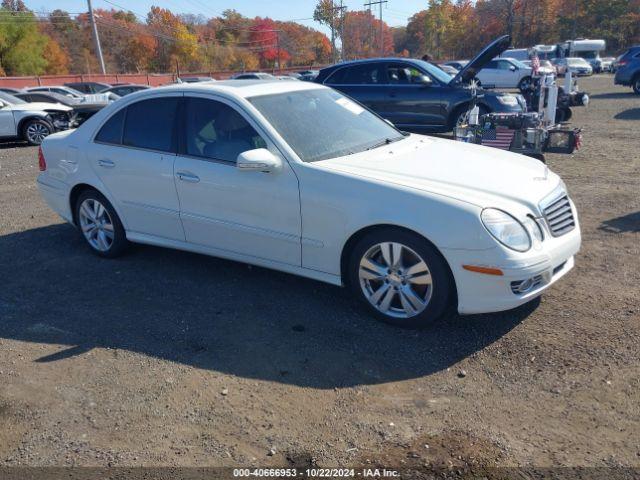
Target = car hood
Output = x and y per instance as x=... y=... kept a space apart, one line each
x=483 y=176
x=487 y=54
x=39 y=106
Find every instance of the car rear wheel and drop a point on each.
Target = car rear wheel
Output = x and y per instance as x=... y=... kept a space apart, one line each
x=400 y=278
x=100 y=225
x=36 y=130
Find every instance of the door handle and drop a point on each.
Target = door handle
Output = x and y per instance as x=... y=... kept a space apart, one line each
x=106 y=163
x=188 y=177
x=393 y=94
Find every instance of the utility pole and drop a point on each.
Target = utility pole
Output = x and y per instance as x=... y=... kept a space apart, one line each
x=379 y=2
x=332 y=15
x=96 y=38
x=278 y=48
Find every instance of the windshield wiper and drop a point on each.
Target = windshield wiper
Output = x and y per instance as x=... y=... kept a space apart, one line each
x=384 y=142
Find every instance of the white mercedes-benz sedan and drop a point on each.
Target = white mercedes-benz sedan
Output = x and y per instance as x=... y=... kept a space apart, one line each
x=296 y=177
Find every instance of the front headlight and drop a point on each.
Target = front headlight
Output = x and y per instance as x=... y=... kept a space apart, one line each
x=508 y=100
x=534 y=228
x=506 y=229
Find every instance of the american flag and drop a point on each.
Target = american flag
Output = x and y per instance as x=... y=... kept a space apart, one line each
x=535 y=64
x=499 y=137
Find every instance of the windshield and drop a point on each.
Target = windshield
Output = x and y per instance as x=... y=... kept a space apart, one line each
x=592 y=54
x=321 y=123
x=10 y=99
x=434 y=71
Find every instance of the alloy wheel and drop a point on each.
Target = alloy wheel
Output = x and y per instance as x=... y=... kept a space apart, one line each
x=395 y=280
x=37 y=132
x=96 y=224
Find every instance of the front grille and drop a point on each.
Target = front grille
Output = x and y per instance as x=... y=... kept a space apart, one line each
x=559 y=216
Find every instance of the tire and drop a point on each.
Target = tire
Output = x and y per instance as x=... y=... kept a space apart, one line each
x=636 y=85
x=385 y=287
x=524 y=84
x=461 y=115
x=36 y=130
x=100 y=225
x=563 y=115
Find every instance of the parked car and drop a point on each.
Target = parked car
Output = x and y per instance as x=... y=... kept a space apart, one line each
x=222 y=170
x=308 y=75
x=505 y=73
x=416 y=95
x=607 y=64
x=9 y=90
x=60 y=89
x=88 y=87
x=546 y=67
x=125 y=89
x=457 y=64
x=31 y=121
x=628 y=69
x=81 y=110
x=253 y=76
x=576 y=65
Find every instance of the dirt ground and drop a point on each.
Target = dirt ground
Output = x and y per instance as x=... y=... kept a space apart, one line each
x=175 y=359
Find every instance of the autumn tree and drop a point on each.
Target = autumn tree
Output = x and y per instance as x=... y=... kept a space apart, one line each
x=362 y=36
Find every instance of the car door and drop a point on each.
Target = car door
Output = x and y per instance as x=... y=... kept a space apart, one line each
x=7 y=121
x=508 y=74
x=222 y=207
x=364 y=82
x=488 y=76
x=412 y=103
x=133 y=155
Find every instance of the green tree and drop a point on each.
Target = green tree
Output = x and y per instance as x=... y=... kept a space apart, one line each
x=22 y=45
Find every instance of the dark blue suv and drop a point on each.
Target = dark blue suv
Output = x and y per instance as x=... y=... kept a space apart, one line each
x=628 y=69
x=417 y=96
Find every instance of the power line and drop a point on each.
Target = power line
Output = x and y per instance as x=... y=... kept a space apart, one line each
x=370 y=5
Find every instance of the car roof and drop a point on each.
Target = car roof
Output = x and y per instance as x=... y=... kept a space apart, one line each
x=238 y=88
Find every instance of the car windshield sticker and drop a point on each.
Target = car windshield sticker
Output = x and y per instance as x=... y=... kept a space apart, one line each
x=349 y=105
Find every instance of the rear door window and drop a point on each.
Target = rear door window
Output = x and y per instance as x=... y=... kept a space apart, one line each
x=150 y=124
x=111 y=131
x=364 y=74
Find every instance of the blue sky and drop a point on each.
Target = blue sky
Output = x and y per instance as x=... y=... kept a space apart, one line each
x=395 y=12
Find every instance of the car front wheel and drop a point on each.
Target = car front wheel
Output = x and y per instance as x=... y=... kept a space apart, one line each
x=36 y=130
x=400 y=277
x=100 y=225
x=636 y=85
x=524 y=84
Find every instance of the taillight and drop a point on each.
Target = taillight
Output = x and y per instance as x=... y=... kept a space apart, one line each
x=622 y=63
x=42 y=163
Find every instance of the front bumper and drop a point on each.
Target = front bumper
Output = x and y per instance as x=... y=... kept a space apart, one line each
x=544 y=265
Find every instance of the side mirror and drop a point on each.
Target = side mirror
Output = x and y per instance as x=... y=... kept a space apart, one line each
x=513 y=68
x=258 y=160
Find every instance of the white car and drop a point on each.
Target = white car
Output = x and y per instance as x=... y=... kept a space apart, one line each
x=576 y=65
x=31 y=121
x=505 y=73
x=296 y=177
x=75 y=95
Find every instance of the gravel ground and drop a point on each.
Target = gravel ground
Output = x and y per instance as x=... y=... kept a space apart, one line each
x=170 y=358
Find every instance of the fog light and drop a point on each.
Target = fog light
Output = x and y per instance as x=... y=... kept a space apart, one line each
x=525 y=286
